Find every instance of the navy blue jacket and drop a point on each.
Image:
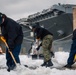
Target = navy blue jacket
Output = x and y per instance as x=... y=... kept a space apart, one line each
x=12 y=32
x=41 y=32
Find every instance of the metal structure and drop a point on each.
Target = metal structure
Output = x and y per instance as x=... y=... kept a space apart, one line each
x=58 y=19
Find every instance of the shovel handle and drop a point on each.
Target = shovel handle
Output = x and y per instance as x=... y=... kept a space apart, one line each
x=75 y=58
x=3 y=39
x=13 y=57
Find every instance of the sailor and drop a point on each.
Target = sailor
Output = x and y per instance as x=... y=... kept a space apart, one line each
x=47 y=38
x=12 y=32
x=72 y=53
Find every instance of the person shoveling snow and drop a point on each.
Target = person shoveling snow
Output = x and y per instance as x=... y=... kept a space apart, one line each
x=12 y=33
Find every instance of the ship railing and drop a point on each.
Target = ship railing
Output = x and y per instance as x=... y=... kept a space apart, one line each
x=64 y=38
x=28 y=39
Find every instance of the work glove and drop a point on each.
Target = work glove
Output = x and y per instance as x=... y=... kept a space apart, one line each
x=38 y=48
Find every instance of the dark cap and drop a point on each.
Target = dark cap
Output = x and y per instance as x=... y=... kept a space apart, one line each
x=36 y=25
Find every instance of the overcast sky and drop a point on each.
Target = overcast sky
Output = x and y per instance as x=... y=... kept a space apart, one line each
x=17 y=9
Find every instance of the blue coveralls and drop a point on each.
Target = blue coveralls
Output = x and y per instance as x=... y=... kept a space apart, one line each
x=72 y=53
x=15 y=53
x=13 y=34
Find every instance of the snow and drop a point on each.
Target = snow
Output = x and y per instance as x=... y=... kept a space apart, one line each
x=59 y=60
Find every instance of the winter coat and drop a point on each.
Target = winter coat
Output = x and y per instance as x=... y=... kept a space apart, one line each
x=12 y=32
x=41 y=33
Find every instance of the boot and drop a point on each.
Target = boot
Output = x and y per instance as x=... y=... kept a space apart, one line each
x=68 y=66
x=49 y=63
x=44 y=64
x=11 y=68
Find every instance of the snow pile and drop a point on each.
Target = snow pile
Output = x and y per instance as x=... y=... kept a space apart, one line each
x=60 y=59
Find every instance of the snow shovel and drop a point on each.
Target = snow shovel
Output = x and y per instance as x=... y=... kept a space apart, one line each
x=2 y=38
x=38 y=54
x=75 y=58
